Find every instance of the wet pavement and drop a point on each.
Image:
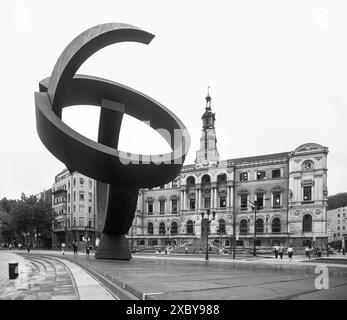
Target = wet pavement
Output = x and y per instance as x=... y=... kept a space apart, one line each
x=46 y=278
x=168 y=277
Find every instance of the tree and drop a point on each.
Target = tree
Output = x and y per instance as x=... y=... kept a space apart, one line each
x=25 y=217
x=6 y=231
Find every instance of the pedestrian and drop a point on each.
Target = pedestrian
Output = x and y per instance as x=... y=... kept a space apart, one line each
x=63 y=247
x=281 y=251
x=290 y=252
x=10 y=246
x=74 y=245
x=186 y=250
x=275 y=250
x=28 y=246
x=87 y=249
x=308 y=252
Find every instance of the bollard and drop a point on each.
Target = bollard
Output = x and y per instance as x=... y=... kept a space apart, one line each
x=13 y=270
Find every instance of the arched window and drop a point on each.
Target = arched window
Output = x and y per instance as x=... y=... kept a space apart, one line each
x=243 y=226
x=190 y=227
x=206 y=180
x=150 y=228
x=221 y=226
x=276 y=225
x=190 y=181
x=222 y=178
x=307 y=223
x=259 y=226
x=174 y=228
x=162 y=229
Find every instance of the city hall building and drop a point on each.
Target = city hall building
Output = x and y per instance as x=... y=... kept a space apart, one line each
x=290 y=190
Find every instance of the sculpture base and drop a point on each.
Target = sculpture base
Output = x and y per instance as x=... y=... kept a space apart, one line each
x=113 y=247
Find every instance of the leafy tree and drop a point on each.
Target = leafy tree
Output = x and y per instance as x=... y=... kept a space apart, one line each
x=25 y=216
x=337 y=201
x=6 y=231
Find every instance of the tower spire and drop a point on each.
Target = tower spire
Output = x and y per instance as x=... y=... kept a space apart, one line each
x=208 y=98
x=207 y=155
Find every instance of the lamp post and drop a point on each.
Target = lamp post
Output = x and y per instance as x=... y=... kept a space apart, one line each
x=207 y=221
x=87 y=230
x=254 y=205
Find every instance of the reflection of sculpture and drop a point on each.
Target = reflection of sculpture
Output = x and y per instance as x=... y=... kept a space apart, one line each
x=119 y=174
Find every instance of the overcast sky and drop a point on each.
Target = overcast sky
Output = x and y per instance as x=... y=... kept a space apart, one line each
x=277 y=71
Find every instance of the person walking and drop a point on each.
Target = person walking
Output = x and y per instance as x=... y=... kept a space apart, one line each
x=87 y=249
x=275 y=249
x=63 y=247
x=28 y=246
x=307 y=251
x=290 y=252
x=281 y=251
x=186 y=250
x=74 y=244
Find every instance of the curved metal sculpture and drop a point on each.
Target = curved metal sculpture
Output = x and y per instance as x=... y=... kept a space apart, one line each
x=119 y=174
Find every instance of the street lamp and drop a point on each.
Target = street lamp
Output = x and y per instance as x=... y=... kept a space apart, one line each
x=207 y=221
x=87 y=230
x=254 y=205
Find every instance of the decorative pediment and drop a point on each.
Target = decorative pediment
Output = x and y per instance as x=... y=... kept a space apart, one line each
x=175 y=197
x=260 y=190
x=206 y=192
x=243 y=191
x=310 y=147
x=222 y=191
x=162 y=198
x=191 y=194
x=307 y=182
x=149 y=199
x=277 y=189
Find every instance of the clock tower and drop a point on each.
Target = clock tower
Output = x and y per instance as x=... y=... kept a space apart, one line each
x=207 y=155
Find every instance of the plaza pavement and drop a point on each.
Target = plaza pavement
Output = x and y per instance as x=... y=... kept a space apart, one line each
x=190 y=277
x=44 y=278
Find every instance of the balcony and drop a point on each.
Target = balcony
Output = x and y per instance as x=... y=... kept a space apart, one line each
x=59 y=191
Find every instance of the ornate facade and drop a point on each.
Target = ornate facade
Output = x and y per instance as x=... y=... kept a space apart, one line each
x=290 y=189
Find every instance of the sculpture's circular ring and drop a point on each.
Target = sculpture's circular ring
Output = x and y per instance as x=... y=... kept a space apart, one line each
x=100 y=161
x=93 y=159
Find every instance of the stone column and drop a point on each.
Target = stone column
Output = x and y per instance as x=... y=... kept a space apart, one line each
x=228 y=195
x=198 y=200
x=215 y=198
x=181 y=199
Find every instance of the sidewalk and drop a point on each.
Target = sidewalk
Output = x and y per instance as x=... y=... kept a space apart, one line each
x=45 y=278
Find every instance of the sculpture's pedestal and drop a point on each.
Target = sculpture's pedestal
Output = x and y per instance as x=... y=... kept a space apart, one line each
x=113 y=247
